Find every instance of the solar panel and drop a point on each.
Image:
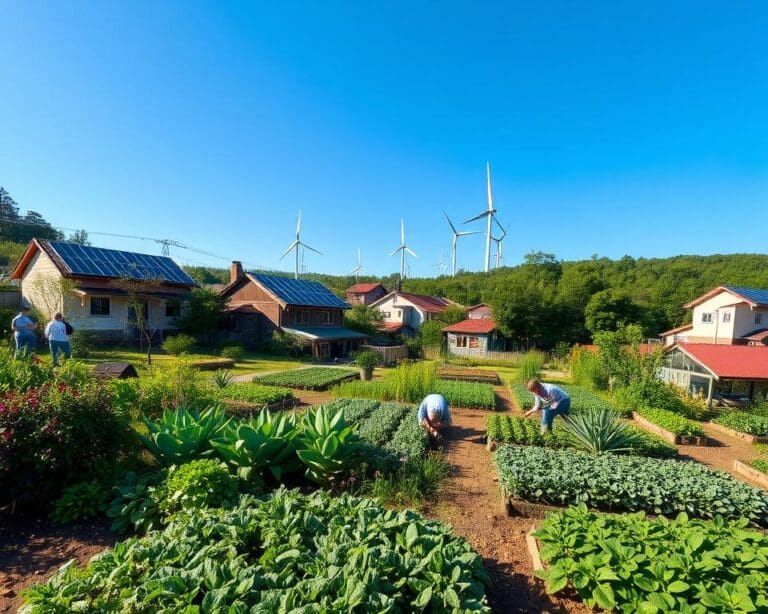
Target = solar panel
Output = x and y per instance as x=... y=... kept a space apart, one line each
x=756 y=295
x=98 y=262
x=301 y=292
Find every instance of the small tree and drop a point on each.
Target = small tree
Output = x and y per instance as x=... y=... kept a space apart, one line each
x=363 y=319
x=139 y=293
x=202 y=316
x=48 y=292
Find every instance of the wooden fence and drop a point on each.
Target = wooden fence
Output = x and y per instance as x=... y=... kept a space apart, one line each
x=389 y=354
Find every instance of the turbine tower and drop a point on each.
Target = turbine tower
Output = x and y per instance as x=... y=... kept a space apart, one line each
x=402 y=249
x=356 y=271
x=440 y=265
x=456 y=235
x=296 y=245
x=498 y=241
x=488 y=215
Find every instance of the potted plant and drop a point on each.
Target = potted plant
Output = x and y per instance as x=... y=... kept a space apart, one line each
x=366 y=361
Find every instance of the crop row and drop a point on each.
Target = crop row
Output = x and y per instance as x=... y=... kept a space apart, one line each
x=618 y=483
x=380 y=424
x=313 y=378
x=630 y=563
x=744 y=423
x=670 y=421
x=458 y=394
x=255 y=393
x=468 y=375
x=581 y=398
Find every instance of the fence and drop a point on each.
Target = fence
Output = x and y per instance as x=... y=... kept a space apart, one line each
x=389 y=353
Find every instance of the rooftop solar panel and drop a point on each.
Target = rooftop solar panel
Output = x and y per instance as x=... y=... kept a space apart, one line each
x=98 y=262
x=301 y=292
x=756 y=295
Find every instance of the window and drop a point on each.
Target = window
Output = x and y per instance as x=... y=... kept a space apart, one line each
x=100 y=306
x=172 y=308
x=386 y=314
x=726 y=316
x=303 y=317
x=758 y=318
x=474 y=342
x=324 y=317
x=706 y=317
x=461 y=342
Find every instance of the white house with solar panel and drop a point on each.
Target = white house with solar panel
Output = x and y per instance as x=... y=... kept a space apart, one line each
x=94 y=301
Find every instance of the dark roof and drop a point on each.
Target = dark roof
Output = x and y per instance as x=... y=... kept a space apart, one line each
x=75 y=260
x=754 y=296
x=472 y=326
x=299 y=291
x=364 y=288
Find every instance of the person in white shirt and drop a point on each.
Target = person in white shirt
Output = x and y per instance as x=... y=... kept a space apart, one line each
x=434 y=414
x=58 y=340
x=552 y=400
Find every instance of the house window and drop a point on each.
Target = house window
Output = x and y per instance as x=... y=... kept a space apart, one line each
x=706 y=317
x=386 y=314
x=304 y=317
x=172 y=308
x=758 y=318
x=100 y=306
x=461 y=342
x=474 y=342
x=726 y=316
x=325 y=317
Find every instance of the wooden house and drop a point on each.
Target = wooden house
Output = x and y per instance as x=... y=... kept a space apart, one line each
x=299 y=307
x=364 y=294
x=474 y=337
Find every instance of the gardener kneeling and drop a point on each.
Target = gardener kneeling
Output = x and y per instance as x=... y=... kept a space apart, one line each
x=434 y=414
x=553 y=400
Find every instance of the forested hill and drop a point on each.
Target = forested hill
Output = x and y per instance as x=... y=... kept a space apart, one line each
x=545 y=300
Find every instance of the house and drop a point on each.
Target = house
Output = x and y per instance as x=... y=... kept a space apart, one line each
x=727 y=315
x=480 y=311
x=364 y=294
x=299 y=307
x=97 y=289
x=474 y=337
x=723 y=352
x=404 y=312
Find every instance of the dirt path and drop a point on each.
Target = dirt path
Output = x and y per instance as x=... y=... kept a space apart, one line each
x=472 y=506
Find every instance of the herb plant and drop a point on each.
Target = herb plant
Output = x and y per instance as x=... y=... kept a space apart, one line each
x=744 y=422
x=256 y=394
x=312 y=378
x=672 y=422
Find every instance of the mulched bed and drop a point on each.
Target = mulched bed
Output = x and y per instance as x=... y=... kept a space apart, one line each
x=468 y=375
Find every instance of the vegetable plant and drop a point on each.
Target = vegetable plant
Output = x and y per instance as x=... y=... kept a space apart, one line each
x=672 y=422
x=312 y=378
x=327 y=445
x=256 y=394
x=760 y=465
x=197 y=484
x=80 y=501
x=136 y=504
x=744 y=422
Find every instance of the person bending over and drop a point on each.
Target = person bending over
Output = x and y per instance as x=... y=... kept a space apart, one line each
x=552 y=400
x=434 y=414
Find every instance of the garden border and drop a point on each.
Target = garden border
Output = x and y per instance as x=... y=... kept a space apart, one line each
x=533 y=550
x=725 y=430
x=349 y=377
x=527 y=509
x=750 y=472
x=245 y=406
x=686 y=440
x=212 y=364
x=469 y=377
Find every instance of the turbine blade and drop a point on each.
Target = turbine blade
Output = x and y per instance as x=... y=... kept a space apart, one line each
x=490 y=191
x=467 y=232
x=450 y=223
x=410 y=251
x=394 y=251
x=305 y=246
x=298 y=226
x=477 y=217
x=353 y=271
x=289 y=250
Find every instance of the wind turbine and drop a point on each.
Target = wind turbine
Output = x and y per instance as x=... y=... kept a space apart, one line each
x=440 y=266
x=498 y=241
x=356 y=271
x=296 y=245
x=456 y=235
x=488 y=215
x=402 y=249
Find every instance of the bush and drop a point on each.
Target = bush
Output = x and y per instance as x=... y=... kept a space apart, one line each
x=672 y=422
x=136 y=504
x=285 y=344
x=744 y=423
x=82 y=343
x=55 y=435
x=80 y=501
x=531 y=364
x=284 y=552
x=649 y=393
x=367 y=359
x=626 y=483
x=630 y=563
x=255 y=394
x=587 y=369
x=198 y=484
x=22 y=374
x=235 y=352
x=179 y=344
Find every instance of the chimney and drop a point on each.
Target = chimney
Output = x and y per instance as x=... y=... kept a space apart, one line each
x=235 y=271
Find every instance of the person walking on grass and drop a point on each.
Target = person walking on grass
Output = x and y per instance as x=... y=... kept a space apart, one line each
x=434 y=414
x=552 y=400
x=58 y=339
x=23 y=327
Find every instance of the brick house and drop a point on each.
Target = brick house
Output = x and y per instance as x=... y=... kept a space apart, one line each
x=364 y=294
x=299 y=307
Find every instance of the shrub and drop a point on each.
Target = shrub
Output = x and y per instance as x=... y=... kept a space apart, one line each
x=198 y=484
x=136 y=504
x=367 y=359
x=649 y=393
x=744 y=423
x=630 y=563
x=82 y=343
x=598 y=431
x=313 y=378
x=255 y=394
x=80 y=501
x=672 y=422
x=23 y=373
x=74 y=374
x=531 y=364
x=235 y=352
x=587 y=369
x=221 y=378
x=619 y=483
x=179 y=344
x=284 y=552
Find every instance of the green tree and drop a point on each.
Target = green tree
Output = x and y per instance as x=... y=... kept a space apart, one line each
x=203 y=312
x=80 y=237
x=610 y=309
x=364 y=319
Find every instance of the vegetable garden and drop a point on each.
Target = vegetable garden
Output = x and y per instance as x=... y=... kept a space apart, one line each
x=312 y=378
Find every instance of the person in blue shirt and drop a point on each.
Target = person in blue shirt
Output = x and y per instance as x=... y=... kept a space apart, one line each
x=434 y=414
x=552 y=400
x=23 y=327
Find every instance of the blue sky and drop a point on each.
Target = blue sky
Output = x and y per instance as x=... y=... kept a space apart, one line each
x=612 y=128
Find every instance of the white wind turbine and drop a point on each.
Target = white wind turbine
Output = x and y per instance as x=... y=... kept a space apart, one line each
x=456 y=235
x=356 y=271
x=499 y=244
x=488 y=215
x=402 y=249
x=440 y=265
x=296 y=245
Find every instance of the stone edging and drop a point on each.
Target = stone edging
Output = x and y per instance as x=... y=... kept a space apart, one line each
x=688 y=440
x=737 y=434
x=750 y=472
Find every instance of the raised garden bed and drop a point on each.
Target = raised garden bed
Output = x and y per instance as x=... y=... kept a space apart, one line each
x=751 y=472
x=212 y=364
x=313 y=378
x=527 y=509
x=737 y=434
x=685 y=440
x=468 y=375
x=245 y=408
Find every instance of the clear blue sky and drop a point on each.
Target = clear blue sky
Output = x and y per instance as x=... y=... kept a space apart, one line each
x=612 y=127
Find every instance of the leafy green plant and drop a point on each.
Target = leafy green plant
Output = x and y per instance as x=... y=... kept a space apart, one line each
x=367 y=359
x=417 y=479
x=255 y=394
x=221 y=378
x=19 y=375
x=760 y=465
x=531 y=364
x=744 y=422
x=629 y=563
x=672 y=422
x=598 y=431
x=136 y=504
x=235 y=352
x=179 y=344
x=264 y=442
x=80 y=501
x=327 y=445
x=312 y=378
x=184 y=435
x=649 y=393
x=632 y=483
x=284 y=552
x=197 y=484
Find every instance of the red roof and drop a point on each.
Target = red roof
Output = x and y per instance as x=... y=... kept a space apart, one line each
x=475 y=326
x=730 y=361
x=391 y=327
x=427 y=303
x=363 y=288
